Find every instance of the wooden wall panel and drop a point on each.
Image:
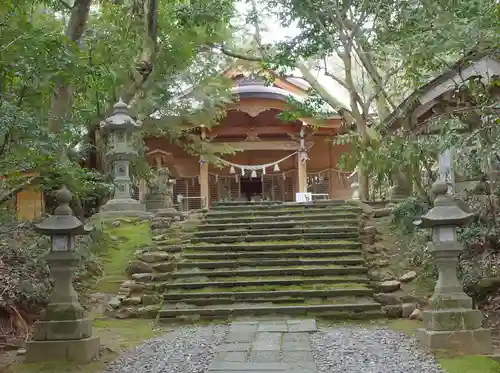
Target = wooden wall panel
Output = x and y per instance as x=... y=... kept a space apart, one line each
x=30 y=204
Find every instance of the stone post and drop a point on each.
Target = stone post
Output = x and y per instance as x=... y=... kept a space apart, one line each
x=120 y=154
x=166 y=191
x=450 y=323
x=63 y=332
x=354 y=177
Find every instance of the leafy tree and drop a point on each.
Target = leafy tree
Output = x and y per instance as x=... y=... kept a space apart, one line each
x=64 y=64
x=379 y=52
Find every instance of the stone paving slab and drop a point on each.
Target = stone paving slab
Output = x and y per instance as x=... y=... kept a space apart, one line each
x=266 y=347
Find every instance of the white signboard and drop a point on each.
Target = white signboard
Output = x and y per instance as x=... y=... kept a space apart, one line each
x=303 y=197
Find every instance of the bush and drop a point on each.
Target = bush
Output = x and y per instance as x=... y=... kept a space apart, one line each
x=406 y=212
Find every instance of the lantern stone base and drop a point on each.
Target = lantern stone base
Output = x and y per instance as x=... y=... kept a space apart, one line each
x=455 y=329
x=63 y=340
x=78 y=350
x=124 y=207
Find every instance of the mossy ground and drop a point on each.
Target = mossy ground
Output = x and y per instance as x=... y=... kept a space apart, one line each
x=116 y=249
x=468 y=364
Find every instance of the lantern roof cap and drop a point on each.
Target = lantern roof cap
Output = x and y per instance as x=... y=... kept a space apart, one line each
x=445 y=212
x=63 y=221
x=120 y=119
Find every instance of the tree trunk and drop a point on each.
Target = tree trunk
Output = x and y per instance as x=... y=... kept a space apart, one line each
x=61 y=99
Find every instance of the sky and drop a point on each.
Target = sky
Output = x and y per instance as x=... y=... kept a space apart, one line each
x=273 y=31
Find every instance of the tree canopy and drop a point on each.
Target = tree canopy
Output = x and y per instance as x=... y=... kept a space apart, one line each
x=64 y=64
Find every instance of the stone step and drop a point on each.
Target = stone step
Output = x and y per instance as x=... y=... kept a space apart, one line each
x=219 y=204
x=207 y=300
x=284 y=309
x=266 y=231
x=283 y=212
x=294 y=254
x=263 y=206
x=261 y=262
x=277 y=237
x=282 y=218
x=263 y=272
x=278 y=225
x=267 y=282
x=273 y=245
x=249 y=295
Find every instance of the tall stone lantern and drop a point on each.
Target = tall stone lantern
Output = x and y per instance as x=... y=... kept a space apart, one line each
x=63 y=331
x=451 y=322
x=122 y=128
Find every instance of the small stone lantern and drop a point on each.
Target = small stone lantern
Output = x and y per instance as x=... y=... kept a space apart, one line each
x=450 y=323
x=63 y=332
x=121 y=128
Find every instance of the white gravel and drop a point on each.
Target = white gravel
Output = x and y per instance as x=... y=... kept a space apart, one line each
x=360 y=350
x=181 y=350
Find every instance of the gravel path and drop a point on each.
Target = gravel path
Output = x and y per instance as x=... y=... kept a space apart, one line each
x=181 y=350
x=360 y=350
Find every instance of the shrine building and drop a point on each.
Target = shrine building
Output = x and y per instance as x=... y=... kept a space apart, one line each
x=277 y=159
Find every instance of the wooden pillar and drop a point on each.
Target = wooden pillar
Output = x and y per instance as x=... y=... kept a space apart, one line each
x=302 y=172
x=302 y=162
x=204 y=188
x=158 y=162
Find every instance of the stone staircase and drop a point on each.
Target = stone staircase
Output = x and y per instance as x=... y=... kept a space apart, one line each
x=268 y=258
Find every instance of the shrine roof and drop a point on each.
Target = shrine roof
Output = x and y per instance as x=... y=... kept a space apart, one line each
x=485 y=63
x=265 y=92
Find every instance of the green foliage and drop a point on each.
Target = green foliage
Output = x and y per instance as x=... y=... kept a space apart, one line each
x=407 y=212
x=36 y=57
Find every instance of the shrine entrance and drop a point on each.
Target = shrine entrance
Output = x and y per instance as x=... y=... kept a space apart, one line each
x=250 y=187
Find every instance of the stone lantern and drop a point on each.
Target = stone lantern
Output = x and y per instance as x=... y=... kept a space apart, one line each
x=450 y=323
x=166 y=187
x=63 y=331
x=121 y=128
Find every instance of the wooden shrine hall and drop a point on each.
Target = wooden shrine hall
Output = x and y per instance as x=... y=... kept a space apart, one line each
x=277 y=159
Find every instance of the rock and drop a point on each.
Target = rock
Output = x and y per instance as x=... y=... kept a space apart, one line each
x=137 y=266
x=150 y=299
x=132 y=301
x=386 y=275
x=393 y=311
x=148 y=311
x=371 y=249
x=374 y=274
x=378 y=213
x=407 y=309
x=114 y=303
x=390 y=286
x=370 y=229
x=383 y=263
x=159 y=237
x=154 y=256
x=164 y=267
x=387 y=299
x=142 y=276
x=123 y=313
x=21 y=352
x=116 y=223
x=416 y=314
x=127 y=283
x=408 y=276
